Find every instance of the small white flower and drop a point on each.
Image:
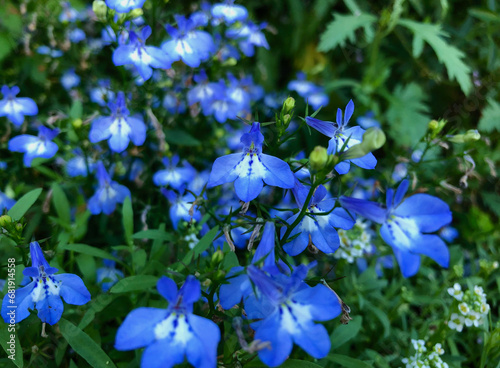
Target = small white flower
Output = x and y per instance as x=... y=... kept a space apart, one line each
x=485 y=308
x=464 y=308
x=478 y=290
x=456 y=292
x=439 y=349
x=456 y=322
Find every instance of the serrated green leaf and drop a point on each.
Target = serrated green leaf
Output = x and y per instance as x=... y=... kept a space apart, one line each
x=343 y=28
x=447 y=54
x=490 y=119
x=61 y=204
x=407 y=114
x=134 y=283
x=348 y=362
x=87 y=249
x=24 y=204
x=84 y=346
x=128 y=220
x=344 y=333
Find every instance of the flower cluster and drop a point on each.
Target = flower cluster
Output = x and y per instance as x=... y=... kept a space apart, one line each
x=424 y=358
x=470 y=307
x=354 y=243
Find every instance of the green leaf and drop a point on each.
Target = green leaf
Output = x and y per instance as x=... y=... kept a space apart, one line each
x=296 y=363
x=97 y=305
x=348 y=362
x=343 y=28
x=490 y=119
x=87 y=249
x=84 y=346
x=449 y=55
x=23 y=204
x=154 y=234
x=134 y=283
x=6 y=45
x=205 y=242
x=61 y=204
x=407 y=114
x=5 y=338
x=230 y=261
x=492 y=200
x=76 y=110
x=344 y=333
x=128 y=220
x=181 y=138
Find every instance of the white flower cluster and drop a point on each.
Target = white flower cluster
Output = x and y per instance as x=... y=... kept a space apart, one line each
x=471 y=307
x=355 y=242
x=424 y=358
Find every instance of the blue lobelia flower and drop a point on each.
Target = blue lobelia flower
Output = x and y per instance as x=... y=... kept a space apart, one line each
x=405 y=224
x=187 y=43
x=44 y=292
x=6 y=202
x=229 y=12
x=40 y=146
x=124 y=6
x=108 y=194
x=80 y=165
x=339 y=135
x=180 y=206
x=76 y=35
x=143 y=57
x=249 y=35
x=120 y=128
x=286 y=308
x=238 y=286
x=222 y=106
x=204 y=92
x=170 y=335
x=172 y=175
x=16 y=108
x=251 y=169
x=317 y=229
x=108 y=275
x=102 y=94
x=70 y=79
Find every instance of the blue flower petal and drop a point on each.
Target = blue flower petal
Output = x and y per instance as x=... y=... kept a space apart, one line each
x=137 y=330
x=22 y=301
x=223 y=170
x=73 y=290
x=50 y=309
x=248 y=187
x=278 y=172
x=430 y=213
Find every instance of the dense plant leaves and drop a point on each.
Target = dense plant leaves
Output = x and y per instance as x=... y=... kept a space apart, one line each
x=343 y=28
x=490 y=119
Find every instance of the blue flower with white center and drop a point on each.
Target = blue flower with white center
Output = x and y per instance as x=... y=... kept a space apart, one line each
x=339 y=135
x=79 y=165
x=108 y=193
x=180 y=206
x=44 y=292
x=124 y=6
x=222 y=106
x=406 y=224
x=171 y=334
x=204 y=92
x=251 y=169
x=16 y=108
x=286 y=308
x=35 y=146
x=249 y=35
x=70 y=79
x=237 y=94
x=102 y=94
x=120 y=128
x=6 y=203
x=317 y=229
x=302 y=86
x=173 y=104
x=172 y=175
x=229 y=12
x=143 y=57
x=318 y=98
x=190 y=45
x=108 y=275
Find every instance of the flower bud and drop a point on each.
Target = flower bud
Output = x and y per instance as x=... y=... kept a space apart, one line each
x=136 y=13
x=77 y=123
x=471 y=136
x=373 y=139
x=318 y=158
x=217 y=257
x=4 y=220
x=433 y=125
x=100 y=9
x=288 y=105
x=286 y=119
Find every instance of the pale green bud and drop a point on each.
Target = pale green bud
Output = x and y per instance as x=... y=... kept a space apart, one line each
x=100 y=9
x=471 y=136
x=318 y=158
x=288 y=105
x=136 y=13
x=373 y=139
x=5 y=219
